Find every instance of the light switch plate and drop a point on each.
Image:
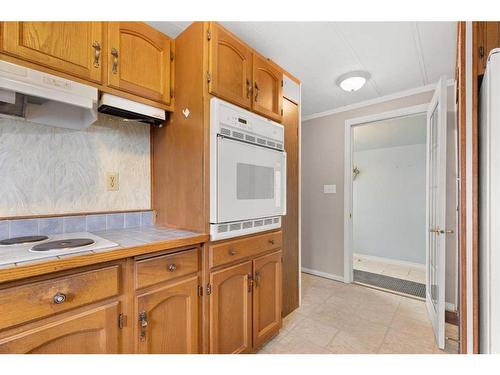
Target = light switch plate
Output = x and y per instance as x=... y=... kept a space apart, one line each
x=329 y=189
x=113 y=181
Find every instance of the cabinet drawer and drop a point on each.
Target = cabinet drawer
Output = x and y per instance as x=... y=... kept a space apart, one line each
x=28 y=302
x=163 y=268
x=231 y=251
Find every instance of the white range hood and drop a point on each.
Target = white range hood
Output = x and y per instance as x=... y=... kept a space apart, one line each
x=46 y=99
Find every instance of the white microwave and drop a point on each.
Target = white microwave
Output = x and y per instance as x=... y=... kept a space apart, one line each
x=247 y=172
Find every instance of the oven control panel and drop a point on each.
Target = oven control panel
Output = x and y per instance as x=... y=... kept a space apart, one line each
x=225 y=115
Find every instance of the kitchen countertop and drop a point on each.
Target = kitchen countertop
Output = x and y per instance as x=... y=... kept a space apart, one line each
x=131 y=242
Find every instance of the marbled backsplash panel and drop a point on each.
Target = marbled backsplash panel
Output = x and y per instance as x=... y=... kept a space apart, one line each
x=47 y=170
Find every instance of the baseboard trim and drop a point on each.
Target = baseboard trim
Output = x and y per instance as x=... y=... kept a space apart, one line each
x=322 y=274
x=391 y=261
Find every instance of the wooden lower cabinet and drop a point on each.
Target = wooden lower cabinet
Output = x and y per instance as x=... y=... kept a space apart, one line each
x=231 y=310
x=167 y=320
x=94 y=331
x=266 y=297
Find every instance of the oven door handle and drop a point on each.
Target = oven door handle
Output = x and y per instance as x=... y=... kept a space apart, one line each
x=283 y=184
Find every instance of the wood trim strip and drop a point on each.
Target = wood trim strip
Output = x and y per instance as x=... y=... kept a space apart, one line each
x=451 y=317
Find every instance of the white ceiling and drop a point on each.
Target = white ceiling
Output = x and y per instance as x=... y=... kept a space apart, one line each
x=398 y=55
x=401 y=131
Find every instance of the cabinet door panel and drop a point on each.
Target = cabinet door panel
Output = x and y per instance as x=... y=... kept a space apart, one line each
x=94 y=331
x=231 y=310
x=267 y=90
x=172 y=319
x=68 y=47
x=230 y=67
x=267 y=297
x=139 y=60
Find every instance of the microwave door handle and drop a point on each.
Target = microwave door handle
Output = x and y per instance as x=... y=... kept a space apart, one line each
x=283 y=185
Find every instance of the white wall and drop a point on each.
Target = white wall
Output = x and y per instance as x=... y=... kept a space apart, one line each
x=389 y=202
x=322 y=215
x=47 y=170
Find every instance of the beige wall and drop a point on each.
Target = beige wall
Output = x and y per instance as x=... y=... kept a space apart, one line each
x=323 y=163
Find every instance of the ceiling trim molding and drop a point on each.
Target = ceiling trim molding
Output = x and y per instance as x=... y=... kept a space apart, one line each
x=380 y=99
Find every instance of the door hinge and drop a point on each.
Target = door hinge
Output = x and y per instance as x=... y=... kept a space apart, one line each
x=481 y=51
x=209 y=34
x=171 y=56
x=209 y=77
x=281 y=83
x=200 y=291
x=121 y=320
x=171 y=93
x=209 y=289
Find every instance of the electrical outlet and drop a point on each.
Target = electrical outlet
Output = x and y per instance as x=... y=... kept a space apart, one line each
x=113 y=181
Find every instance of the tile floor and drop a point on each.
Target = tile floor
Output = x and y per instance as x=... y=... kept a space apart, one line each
x=338 y=318
x=406 y=272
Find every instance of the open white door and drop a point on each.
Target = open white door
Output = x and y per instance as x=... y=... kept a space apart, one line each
x=436 y=211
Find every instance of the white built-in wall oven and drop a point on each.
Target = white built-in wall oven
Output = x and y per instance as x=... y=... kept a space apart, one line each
x=247 y=172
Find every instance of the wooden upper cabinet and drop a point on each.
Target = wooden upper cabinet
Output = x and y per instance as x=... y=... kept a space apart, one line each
x=139 y=61
x=94 y=331
x=267 y=88
x=231 y=310
x=230 y=67
x=171 y=316
x=69 y=47
x=267 y=297
x=487 y=36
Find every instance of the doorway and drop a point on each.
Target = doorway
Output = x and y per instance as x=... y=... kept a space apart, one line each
x=388 y=211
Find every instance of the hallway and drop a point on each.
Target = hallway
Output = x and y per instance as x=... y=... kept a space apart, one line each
x=338 y=318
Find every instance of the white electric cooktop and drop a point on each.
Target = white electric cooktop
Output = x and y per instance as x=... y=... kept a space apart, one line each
x=38 y=247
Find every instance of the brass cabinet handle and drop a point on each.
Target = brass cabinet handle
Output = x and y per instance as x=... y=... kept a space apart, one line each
x=250 y=282
x=143 y=322
x=172 y=267
x=257 y=279
x=249 y=88
x=59 y=298
x=271 y=241
x=114 y=68
x=232 y=252
x=97 y=53
x=256 y=91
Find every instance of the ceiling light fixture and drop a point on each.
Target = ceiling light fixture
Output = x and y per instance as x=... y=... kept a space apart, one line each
x=353 y=81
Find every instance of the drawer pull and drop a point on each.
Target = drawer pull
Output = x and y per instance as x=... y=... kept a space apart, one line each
x=172 y=267
x=271 y=241
x=232 y=252
x=59 y=298
x=143 y=323
x=114 y=53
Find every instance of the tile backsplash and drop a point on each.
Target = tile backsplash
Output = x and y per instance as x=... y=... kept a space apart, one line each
x=46 y=170
x=71 y=224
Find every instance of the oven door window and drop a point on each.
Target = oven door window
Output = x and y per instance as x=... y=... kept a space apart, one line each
x=249 y=181
x=254 y=181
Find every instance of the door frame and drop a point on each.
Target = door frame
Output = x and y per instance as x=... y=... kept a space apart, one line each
x=349 y=125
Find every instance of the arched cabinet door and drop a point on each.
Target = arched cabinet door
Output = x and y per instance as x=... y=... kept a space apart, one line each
x=230 y=67
x=139 y=61
x=69 y=47
x=267 y=89
x=231 y=310
x=94 y=331
x=167 y=321
x=266 y=297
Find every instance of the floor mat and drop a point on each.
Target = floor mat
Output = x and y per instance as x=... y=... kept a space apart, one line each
x=391 y=283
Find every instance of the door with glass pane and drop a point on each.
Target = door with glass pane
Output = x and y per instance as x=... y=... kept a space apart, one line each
x=436 y=211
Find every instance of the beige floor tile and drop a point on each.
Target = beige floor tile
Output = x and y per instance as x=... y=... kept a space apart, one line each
x=360 y=336
x=296 y=344
x=397 y=342
x=292 y=319
x=314 y=331
x=413 y=327
x=380 y=313
x=414 y=309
